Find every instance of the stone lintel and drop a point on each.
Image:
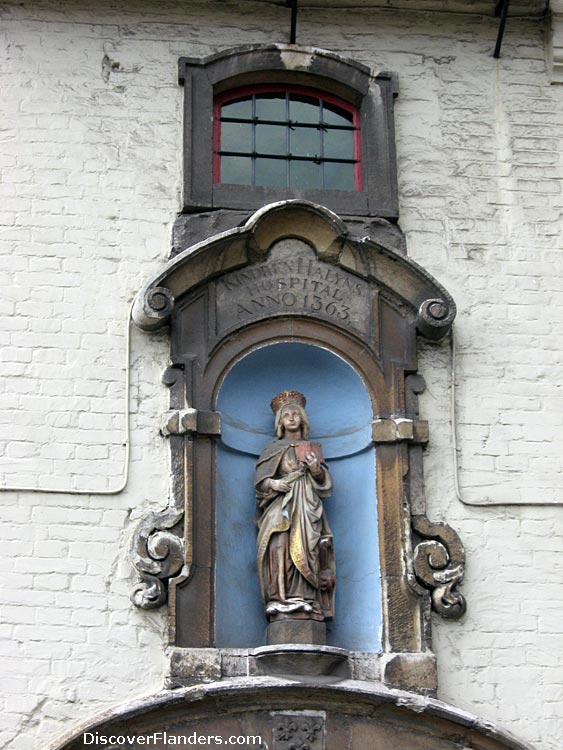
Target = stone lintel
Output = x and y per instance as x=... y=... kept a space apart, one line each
x=415 y=672
x=189 y=666
x=399 y=429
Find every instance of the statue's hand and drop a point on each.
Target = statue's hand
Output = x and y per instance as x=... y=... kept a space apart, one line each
x=326 y=582
x=278 y=485
x=313 y=463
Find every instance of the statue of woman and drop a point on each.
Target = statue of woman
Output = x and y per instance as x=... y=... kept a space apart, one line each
x=294 y=546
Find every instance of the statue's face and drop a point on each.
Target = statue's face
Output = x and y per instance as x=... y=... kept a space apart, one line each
x=291 y=418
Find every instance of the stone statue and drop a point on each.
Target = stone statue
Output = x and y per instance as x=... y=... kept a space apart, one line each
x=294 y=546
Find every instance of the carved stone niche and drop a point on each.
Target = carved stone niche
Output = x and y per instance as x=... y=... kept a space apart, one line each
x=293 y=284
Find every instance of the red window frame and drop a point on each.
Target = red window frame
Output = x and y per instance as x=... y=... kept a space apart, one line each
x=245 y=91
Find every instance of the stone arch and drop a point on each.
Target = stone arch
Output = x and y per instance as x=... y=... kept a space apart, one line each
x=355 y=716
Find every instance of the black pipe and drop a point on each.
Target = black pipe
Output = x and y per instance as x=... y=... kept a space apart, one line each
x=502 y=10
x=293 y=31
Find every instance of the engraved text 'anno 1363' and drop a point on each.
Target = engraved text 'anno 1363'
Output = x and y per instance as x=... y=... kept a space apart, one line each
x=301 y=285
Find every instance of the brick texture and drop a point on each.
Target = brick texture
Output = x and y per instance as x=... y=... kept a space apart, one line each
x=90 y=118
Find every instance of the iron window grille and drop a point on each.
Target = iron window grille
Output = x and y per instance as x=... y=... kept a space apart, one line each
x=286 y=137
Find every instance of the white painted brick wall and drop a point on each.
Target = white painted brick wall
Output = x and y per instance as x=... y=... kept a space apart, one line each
x=90 y=125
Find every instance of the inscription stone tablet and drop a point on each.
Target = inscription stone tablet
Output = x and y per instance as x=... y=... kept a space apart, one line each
x=292 y=281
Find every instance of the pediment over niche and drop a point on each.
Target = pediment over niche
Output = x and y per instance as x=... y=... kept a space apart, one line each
x=353 y=259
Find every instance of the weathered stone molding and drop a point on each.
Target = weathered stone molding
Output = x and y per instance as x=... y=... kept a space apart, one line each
x=410 y=716
x=439 y=565
x=189 y=666
x=191 y=422
x=399 y=429
x=400 y=277
x=555 y=44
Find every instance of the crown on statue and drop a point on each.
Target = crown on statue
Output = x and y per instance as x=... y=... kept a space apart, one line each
x=287 y=397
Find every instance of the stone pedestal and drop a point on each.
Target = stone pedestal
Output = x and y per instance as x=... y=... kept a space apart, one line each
x=308 y=632
x=303 y=661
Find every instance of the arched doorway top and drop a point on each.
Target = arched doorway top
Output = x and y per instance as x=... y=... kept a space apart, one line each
x=364 y=713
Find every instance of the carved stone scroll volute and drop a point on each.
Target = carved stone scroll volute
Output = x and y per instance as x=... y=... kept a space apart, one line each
x=438 y=559
x=157 y=546
x=439 y=565
x=158 y=554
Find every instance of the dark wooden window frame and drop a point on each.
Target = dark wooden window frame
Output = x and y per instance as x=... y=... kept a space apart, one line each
x=206 y=78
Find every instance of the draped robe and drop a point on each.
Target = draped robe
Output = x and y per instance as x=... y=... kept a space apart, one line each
x=294 y=546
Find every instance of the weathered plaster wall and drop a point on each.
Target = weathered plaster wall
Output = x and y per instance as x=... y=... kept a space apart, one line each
x=90 y=129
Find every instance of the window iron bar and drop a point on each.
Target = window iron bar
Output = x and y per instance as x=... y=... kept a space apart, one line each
x=288 y=123
x=287 y=157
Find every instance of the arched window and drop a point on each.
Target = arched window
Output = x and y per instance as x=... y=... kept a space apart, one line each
x=286 y=137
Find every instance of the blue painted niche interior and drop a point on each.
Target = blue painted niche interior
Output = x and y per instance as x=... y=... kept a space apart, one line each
x=340 y=412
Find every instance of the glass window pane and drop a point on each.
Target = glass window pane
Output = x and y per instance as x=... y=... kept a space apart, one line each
x=305 y=142
x=241 y=108
x=339 y=176
x=303 y=108
x=271 y=172
x=339 y=144
x=271 y=139
x=271 y=107
x=305 y=174
x=236 y=170
x=333 y=115
x=236 y=136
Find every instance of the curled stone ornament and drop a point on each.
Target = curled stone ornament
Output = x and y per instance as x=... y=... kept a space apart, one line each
x=153 y=307
x=158 y=554
x=159 y=302
x=149 y=593
x=439 y=565
x=435 y=317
